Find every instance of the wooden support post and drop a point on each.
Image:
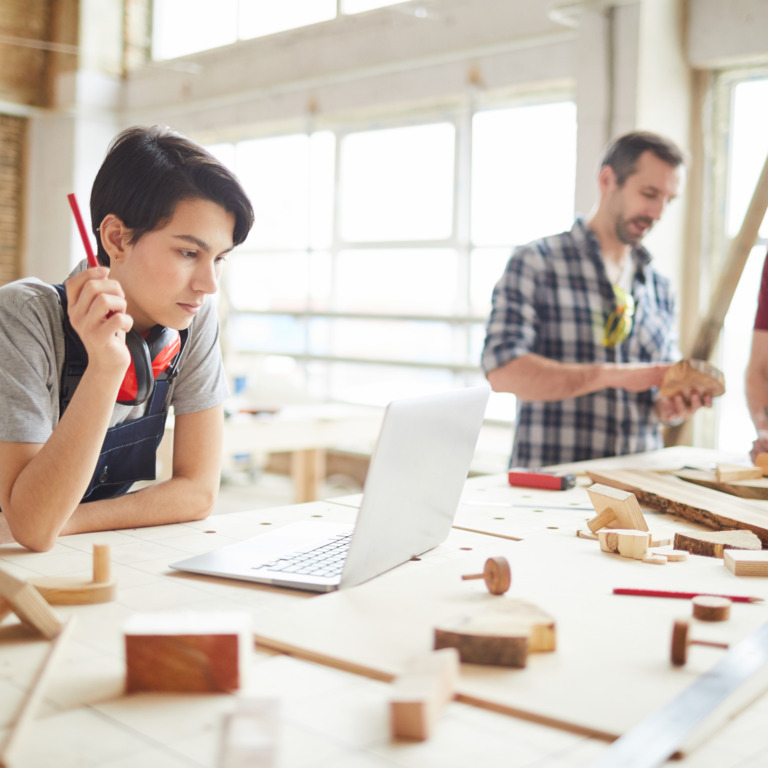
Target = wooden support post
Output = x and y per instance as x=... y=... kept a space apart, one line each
x=308 y=471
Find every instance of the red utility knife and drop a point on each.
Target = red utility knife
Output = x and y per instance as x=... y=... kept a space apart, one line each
x=533 y=478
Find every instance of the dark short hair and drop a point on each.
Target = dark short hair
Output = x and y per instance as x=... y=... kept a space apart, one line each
x=148 y=171
x=622 y=153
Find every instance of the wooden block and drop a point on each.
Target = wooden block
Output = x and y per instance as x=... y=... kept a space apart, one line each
x=66 y=591
x=711 y=608
x=421 y=693
x=761 y=460
x=615 y=509
x=27 y=603
x=714 y=543
x=625 y=542
x=186 y=652
x=502 y=634
x=746 y=562
x=729 y=472
x=688 y=376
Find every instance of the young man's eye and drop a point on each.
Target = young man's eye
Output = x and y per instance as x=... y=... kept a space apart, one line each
x=188 y=254
x=220 y=260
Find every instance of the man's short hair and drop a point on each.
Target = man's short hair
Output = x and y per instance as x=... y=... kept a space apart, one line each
x=148 y=171
x=622 y=153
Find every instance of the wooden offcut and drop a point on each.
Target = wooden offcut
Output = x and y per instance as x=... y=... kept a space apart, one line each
x=501 y=635
x=728 y=472
x=711 y=608
x=688 y=376
x=421 y=693
x=21 y=598
x=746 y=563
x=701 y=505
x=186 y=652
x=615 y=508
x=625 y=542
x=714 y=543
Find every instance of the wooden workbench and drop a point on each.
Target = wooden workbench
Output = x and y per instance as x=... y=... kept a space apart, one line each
x=331 y=717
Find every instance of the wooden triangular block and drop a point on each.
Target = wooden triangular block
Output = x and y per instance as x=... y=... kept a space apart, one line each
x=27 y=603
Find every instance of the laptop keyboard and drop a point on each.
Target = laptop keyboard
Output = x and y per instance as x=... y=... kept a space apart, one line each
x=324 y=560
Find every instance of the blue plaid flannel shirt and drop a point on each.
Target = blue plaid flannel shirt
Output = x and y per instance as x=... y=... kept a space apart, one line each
x=554 y=299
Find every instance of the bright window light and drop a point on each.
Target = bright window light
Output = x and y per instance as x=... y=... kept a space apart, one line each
x=265 y=18
x=180 y=27
x=397 y=184
x=749 y=150
x=523 y=173
x=358 y=6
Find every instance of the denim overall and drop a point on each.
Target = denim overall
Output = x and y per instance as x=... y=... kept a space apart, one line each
x=129 y=449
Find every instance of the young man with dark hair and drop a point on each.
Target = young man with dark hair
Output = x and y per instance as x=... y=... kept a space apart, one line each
x=83 y=411
x=582 y=326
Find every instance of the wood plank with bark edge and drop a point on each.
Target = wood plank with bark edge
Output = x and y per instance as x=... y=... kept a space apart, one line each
x=714 y=543
x=713 y=509
x=746 y=489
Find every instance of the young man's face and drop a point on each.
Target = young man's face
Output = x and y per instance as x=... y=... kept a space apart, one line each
x=169 y=271
x=638 y=204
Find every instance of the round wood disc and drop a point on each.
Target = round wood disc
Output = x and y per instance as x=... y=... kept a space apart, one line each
x=679 y=651
x=711 y=608
x=497 y=575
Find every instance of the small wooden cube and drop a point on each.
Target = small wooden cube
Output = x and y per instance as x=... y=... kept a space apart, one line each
x=186 y=652
x=745 y=562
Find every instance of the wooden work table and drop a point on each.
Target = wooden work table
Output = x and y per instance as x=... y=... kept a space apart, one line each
x=610 y=669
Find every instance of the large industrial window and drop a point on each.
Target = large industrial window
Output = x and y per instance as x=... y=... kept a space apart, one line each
x=369 y=271
x=213 y=23
x=741 y=142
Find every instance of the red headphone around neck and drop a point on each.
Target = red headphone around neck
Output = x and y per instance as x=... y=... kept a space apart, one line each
x=151 y=355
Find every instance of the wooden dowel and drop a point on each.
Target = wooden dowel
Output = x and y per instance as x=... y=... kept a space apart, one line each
x=102 y=572
x=32 y=700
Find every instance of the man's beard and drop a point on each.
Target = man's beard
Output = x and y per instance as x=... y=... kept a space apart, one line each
x=628 y=236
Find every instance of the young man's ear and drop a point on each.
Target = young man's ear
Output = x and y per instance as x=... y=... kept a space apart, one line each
x=606 y=179
x=114 y=237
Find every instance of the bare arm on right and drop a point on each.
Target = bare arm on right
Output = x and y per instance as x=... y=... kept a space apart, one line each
x=535 y=378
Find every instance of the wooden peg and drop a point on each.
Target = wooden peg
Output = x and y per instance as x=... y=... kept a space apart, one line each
x=681 y=641
x=761 y=460
x=615 y=509
x=711 y=608
x=421 y=693
x=497 y=575
x=66 y=591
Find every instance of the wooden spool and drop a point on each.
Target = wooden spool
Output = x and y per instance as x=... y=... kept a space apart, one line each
x=711 y=608
x=681 y=641
x=497 y=575
x=65 y=591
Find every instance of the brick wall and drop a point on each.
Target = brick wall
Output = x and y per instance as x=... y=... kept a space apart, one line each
x=12 y=142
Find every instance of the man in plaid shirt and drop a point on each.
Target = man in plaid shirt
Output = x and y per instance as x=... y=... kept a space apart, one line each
x=582 y=326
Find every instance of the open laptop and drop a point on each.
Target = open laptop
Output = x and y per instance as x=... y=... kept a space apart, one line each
x=411 y=494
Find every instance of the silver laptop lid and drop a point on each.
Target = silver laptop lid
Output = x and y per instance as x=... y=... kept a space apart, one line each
x=414 y=483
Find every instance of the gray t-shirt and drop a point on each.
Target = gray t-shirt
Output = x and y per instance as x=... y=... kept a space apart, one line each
x=32 y=357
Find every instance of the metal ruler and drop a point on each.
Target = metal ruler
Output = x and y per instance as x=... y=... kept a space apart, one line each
x=655 y=739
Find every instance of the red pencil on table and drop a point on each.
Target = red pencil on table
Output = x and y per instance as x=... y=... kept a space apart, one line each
x=83 y=232
x=683 y=595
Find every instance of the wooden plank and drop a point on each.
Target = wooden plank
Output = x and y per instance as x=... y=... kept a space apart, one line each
x=713 y=509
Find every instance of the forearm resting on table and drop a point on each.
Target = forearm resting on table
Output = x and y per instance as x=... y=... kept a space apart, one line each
x=535 y=378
